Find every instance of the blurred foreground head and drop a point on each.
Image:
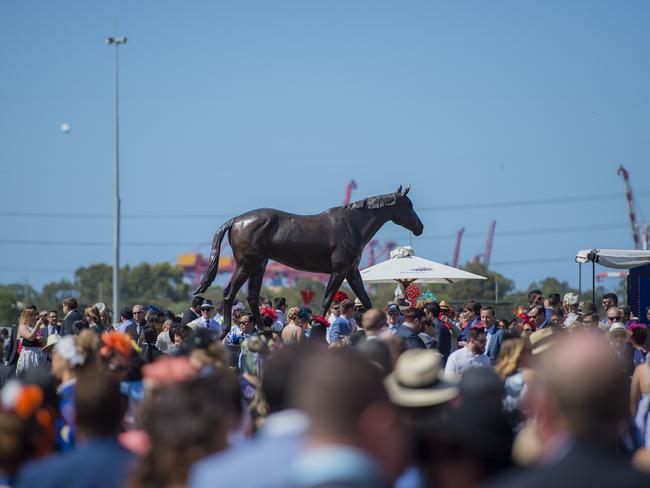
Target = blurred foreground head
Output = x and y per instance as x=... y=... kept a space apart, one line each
x=346 y=402
x=582 y=385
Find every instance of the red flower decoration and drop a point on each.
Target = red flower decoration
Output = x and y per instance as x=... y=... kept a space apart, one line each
x=339 y=296
x=269 y=312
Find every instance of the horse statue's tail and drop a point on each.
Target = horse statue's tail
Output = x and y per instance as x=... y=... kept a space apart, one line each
x=211 y=273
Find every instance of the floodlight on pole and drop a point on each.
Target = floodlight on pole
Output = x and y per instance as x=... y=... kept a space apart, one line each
x=116 y=41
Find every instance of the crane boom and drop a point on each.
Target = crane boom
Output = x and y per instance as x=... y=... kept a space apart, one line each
x=348 y=191
x=629 y=196
x=488 y=245
x=459 y=237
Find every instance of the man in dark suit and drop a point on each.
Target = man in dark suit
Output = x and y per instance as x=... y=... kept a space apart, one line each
x=135 y=329
x=494 y=335
x=52 y=326
x=579 y=399
x=441 y=334
x=99 y=460
x=71 y=315
x=410 y=329
x=194 y=312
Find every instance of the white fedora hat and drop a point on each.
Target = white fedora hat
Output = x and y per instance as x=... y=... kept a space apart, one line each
x=417 y=380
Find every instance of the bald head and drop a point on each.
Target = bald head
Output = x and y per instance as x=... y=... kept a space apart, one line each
x=587 y=383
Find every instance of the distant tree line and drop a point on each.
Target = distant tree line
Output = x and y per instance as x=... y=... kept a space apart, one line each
x=162 y=284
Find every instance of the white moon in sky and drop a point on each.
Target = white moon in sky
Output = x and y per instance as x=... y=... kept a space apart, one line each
x=65 y=127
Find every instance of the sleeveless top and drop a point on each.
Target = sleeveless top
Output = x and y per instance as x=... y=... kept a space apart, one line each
x=32 y=343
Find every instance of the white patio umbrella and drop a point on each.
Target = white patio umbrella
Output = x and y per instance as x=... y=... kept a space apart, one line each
x=405 y=268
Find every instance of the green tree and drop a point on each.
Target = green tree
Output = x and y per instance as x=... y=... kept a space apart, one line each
x=54 y=293
x=94 y=283
x=9 y=309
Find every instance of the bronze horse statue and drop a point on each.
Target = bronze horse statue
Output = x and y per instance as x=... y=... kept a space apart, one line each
x=331 y=242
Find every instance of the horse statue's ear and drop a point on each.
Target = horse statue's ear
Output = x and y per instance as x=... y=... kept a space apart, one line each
x=399 y=190
x=406 y=190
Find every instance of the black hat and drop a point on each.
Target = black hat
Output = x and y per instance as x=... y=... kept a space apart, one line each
x=207 y=304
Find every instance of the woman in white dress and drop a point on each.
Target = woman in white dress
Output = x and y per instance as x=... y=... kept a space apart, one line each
x=31 y=355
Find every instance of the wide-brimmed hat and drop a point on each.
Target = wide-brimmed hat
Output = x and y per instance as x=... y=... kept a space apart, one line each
x=357 y=303
x=403 y=304
x=571 y=299
x=417 y=380
x=52 y=339
x=542 y=339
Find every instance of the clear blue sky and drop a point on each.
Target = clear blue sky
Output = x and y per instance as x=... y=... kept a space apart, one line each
x=230 y=106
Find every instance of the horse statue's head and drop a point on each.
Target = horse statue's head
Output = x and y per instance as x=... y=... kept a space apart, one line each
x=403 y=212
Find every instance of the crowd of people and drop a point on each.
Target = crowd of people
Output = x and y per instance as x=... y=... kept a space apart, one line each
x=412 y=394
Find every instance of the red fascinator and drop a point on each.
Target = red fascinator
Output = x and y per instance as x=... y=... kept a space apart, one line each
x=339 y=296
x=269 y=312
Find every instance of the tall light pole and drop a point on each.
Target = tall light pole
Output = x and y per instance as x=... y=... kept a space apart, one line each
x=116 y=41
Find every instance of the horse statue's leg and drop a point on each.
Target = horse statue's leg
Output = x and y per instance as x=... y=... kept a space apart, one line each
x=239 y=277
x=356 y=283
x=334 y=283
x=254 y=287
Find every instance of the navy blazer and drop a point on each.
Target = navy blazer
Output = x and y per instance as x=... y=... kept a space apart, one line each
x=413 y=341
x=98 y=463
x=69 y=321
x=442 y=335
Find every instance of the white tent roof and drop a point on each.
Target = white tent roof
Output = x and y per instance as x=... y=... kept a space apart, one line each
x=403 y=265
x=615 y=258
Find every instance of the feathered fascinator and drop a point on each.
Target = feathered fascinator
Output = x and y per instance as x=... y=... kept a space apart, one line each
x=637 y=325
x=339 y=296
x=117 y=342
x=269 y=312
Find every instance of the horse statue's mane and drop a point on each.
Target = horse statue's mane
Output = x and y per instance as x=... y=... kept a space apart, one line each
x=378 y=201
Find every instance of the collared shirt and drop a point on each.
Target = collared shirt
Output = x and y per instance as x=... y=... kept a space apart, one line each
x=336 y=464
x=282 y=433
x=121 y=327
x=202 y=323
x=463 y=359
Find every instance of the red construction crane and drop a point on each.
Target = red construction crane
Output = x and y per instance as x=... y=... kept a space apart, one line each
x=629 y=196
x=375 y=255
x=488 y=245
x=348 y=191
x=640 y=241
x=459 y=237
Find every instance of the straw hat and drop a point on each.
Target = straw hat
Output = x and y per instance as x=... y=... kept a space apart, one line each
x=542 y=339
x=417 y=380
x=52 y=339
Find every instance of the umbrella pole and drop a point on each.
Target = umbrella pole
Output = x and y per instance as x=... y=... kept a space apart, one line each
x=593 y=282
x=579 y=280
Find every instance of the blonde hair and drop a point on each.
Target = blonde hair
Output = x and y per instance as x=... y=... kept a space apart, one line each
x=293 y=313
x=26 y=315
x=93 y=313
x=509 y=357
